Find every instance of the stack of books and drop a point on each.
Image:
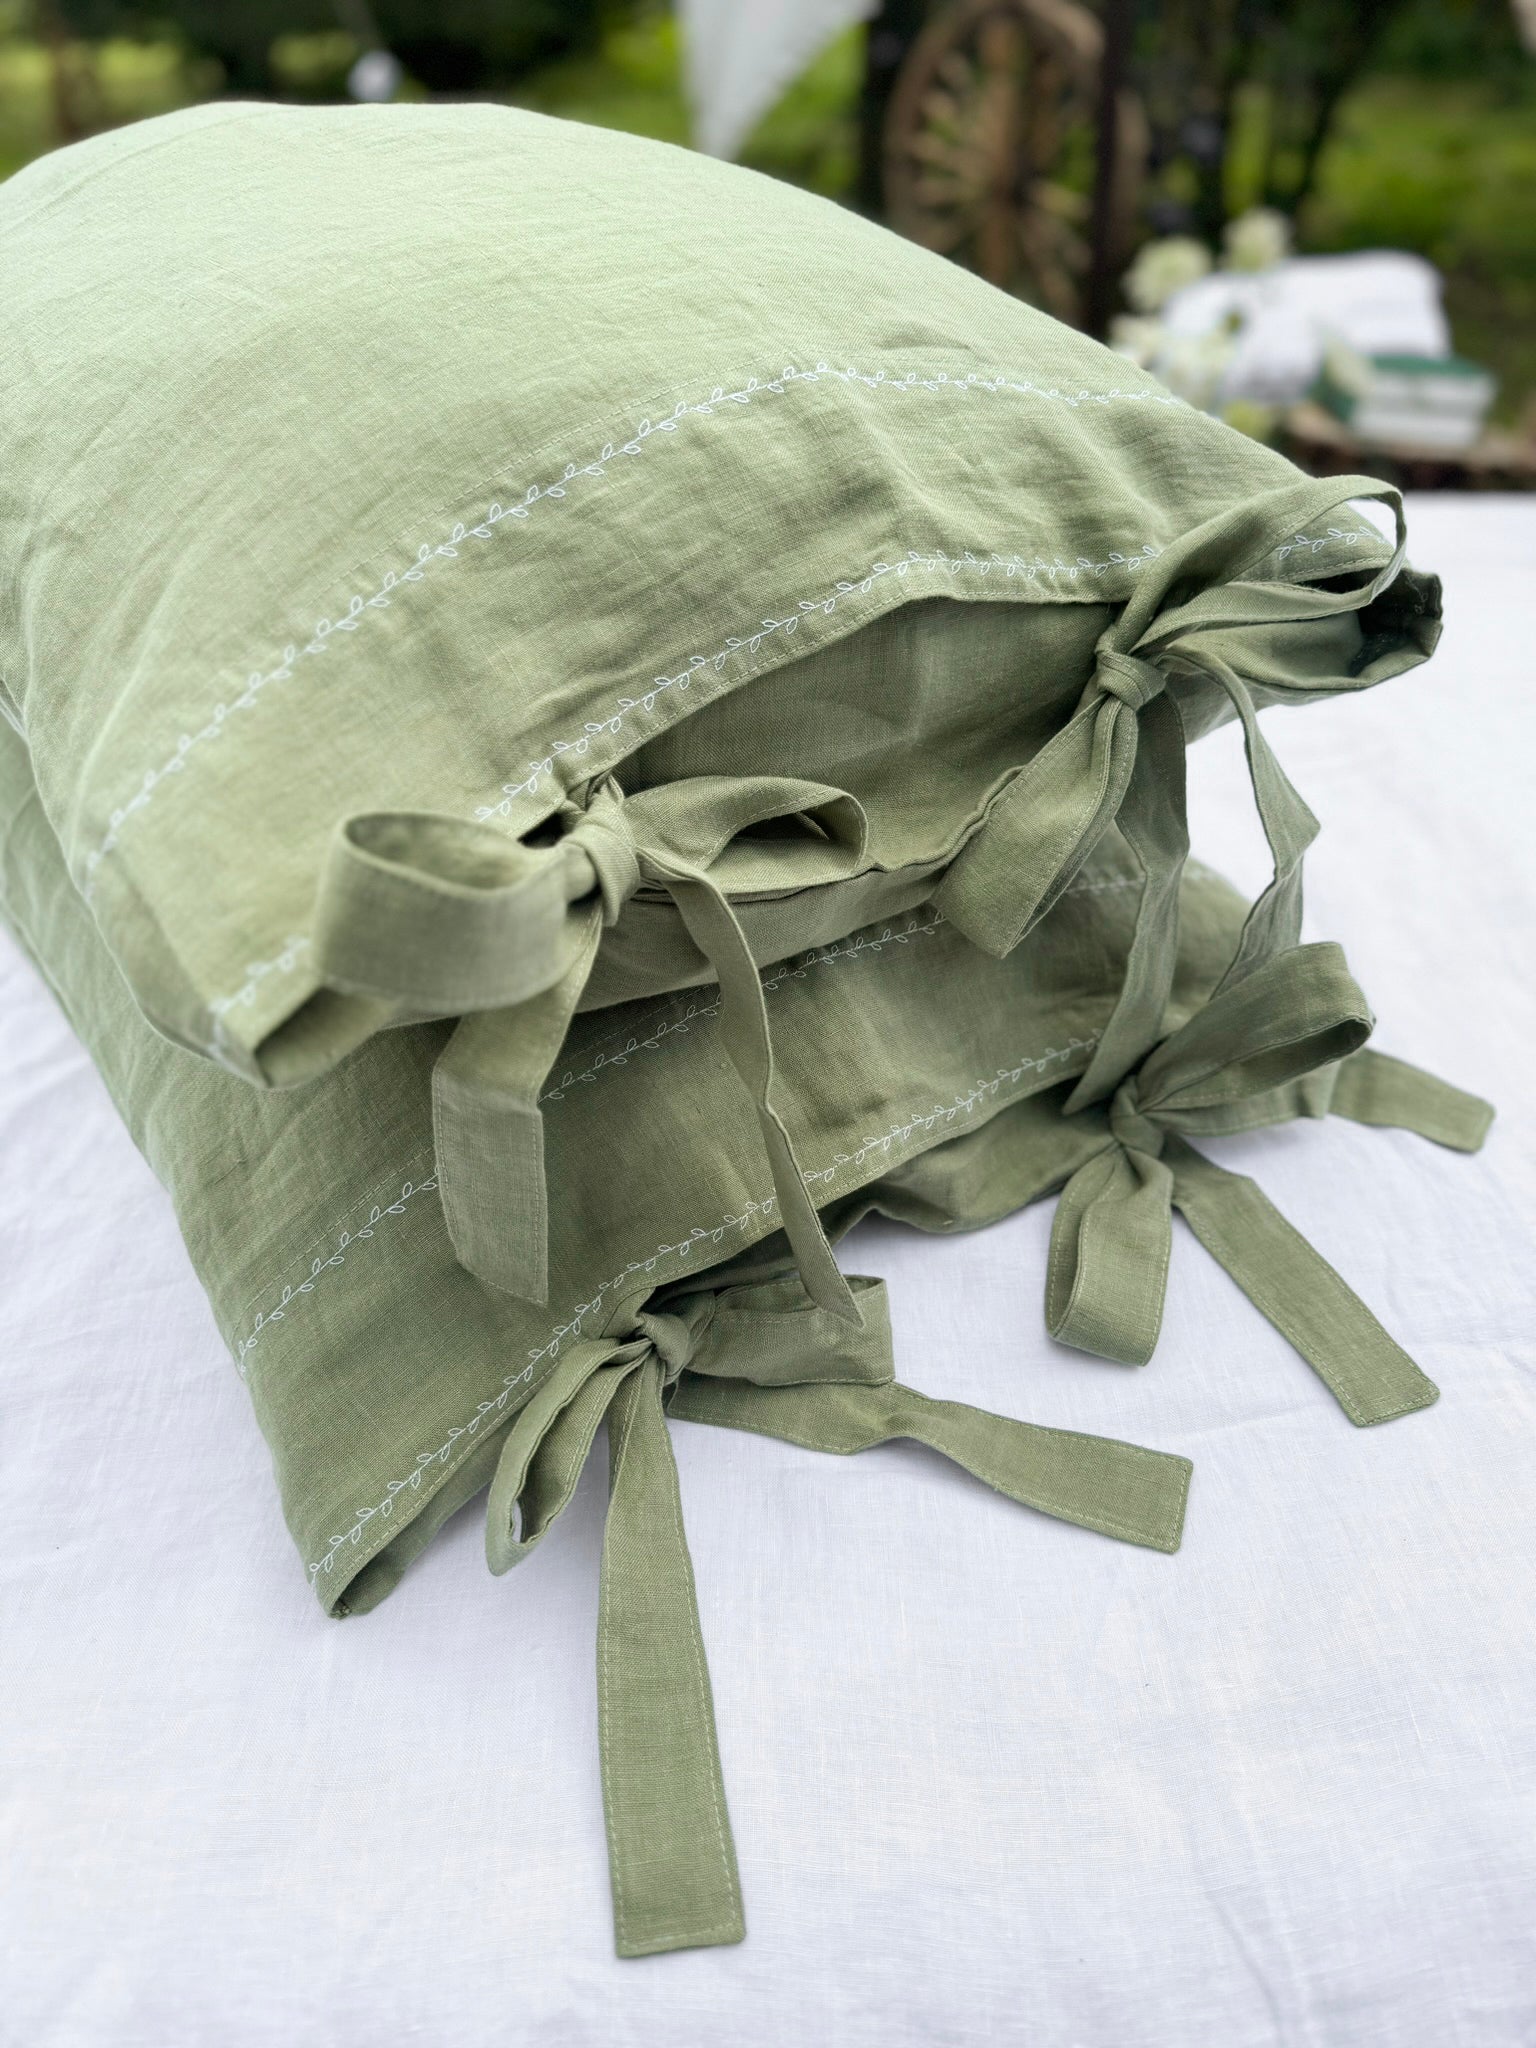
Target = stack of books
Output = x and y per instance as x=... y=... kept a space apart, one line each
x=1428 y=401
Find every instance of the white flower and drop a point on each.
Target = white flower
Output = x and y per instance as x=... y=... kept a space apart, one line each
x=376 y=77
x=1257 y=239
x=1163 y=268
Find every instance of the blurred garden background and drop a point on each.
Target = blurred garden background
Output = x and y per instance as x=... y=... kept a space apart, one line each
x=1049 y=143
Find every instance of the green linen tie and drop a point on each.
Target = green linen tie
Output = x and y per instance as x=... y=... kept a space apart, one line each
x=453 y=919
x=1281 y=1040
x=764 y=1358
x=1268 y=1042
x=1120 y=761
x=441 y=917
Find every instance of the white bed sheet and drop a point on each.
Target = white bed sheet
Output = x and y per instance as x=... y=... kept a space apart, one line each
x=993 y=1779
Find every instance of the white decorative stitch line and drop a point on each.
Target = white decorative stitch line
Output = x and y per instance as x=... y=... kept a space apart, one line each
x=791 y=970
x=861 y=944
x=292 y=1295
x=461 y=534
x=1343 y=535
x=295 y=948
x=672 y=1027
x=866 y=944
x=1005 y=567
x=572 y=1327
x=893 y=1141
x=750 y=641
x=256 y=972
x=947 y=1113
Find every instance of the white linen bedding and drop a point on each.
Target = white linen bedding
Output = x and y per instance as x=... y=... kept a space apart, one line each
x=994 y=1779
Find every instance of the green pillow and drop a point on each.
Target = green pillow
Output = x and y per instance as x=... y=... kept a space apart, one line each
x=392 y=1385
x=495 y=568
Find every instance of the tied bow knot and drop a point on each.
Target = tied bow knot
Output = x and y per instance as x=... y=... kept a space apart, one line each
x=672 y=1340
x=1227 y=1068
x=1284 y=1041
x=1119 y=760
x=1106 y=763
x=762 y=1358
x=600 y=852
x=1129 y=1126
x=1132 y=682
x=445 y=918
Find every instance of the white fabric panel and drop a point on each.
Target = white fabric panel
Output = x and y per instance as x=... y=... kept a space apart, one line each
x=741 y=55
x=1383 y=302
x=993 y=1779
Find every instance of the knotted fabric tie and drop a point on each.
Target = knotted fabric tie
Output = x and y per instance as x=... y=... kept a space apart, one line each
x=1120 y=761
x=762 y=1358
x=453 y=919
x=1282 y=1041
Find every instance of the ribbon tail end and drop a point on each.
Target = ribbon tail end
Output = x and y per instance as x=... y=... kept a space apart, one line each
x=725 y=1935
x=1407 y=1400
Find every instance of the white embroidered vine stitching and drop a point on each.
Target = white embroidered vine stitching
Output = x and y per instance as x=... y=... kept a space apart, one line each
x=462 y=534
x=890 y=1142
x=291 y=1295
x=946 y=1113
x=862 y=945
x=256 y=972
x=1345 y=535
x=792 y=970
x=684 y=1248
x=1004 y=567
x=1105 y=887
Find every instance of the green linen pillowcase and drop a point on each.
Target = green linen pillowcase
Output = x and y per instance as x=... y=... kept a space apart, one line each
x=450 y=543
x=449 y=537
x=392 y=1386
x=309 y=1213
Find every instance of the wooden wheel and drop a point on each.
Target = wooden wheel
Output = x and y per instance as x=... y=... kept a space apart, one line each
x=989 y=145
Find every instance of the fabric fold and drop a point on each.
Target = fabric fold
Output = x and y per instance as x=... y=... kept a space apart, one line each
x=761 y=1357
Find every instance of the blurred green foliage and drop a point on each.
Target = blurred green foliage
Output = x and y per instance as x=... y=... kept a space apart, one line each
x=1435 y=151
x=1443 y=39
x=124 y=81
x=625 y=74
x=635 y=81
x=1449 y=170
x=448 y=46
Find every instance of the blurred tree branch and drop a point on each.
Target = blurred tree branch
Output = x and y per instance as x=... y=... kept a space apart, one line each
x=76 y=99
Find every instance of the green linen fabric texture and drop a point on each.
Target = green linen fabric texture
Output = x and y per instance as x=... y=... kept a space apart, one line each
x=383 y=1373
x=449 y=473
x=647 y=716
